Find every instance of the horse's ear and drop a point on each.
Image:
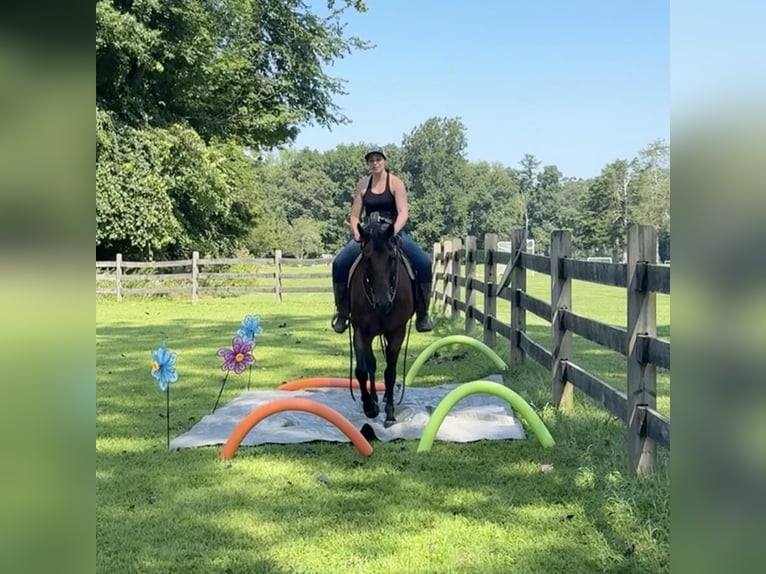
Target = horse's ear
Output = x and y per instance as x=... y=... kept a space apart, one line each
x=389 y=230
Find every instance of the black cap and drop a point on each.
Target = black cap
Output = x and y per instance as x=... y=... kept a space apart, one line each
x=375 y=150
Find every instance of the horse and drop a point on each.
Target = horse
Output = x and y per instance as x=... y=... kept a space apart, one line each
x=382 y=301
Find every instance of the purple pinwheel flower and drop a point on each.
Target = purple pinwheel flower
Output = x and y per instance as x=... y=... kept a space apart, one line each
x=239 y=356
x=251 y=326
x=162 y=367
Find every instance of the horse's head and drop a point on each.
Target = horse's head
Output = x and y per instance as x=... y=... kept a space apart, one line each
x=380 y=264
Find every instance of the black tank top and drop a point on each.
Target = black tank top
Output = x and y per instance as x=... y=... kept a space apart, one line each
x=384 y=203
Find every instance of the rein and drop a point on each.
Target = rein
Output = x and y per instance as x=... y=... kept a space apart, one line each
x=396 y=258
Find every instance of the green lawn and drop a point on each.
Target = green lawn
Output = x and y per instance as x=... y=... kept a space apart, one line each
x=481 y=507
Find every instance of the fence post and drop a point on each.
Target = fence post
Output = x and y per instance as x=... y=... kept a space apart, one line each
x=470 y=275
x=457 y=244
x=195 y=275
x=118 y=276
x=642 y=320
x=435 y=258
x=278 y=274
x=518 y=285
x=561 y=299
x=447 y=278
x=490 y=299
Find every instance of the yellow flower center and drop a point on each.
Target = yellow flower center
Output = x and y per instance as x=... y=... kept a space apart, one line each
x=155 y=366
x=239 y=358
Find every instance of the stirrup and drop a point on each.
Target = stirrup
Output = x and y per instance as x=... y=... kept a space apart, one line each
x=423 y=324
x=339 y=324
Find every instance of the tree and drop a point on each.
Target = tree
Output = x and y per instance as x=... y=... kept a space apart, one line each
x=573 y=196
x=343 y=166
x=183 y=88
x=271 y=233
x=251 y=72
x=434 y=165
x=134 y=213
x=164 y=193
x=526 y=178
x=304 y=238
x=607 y=210
x=546 y=207
x=652 y=181
x=494 y=204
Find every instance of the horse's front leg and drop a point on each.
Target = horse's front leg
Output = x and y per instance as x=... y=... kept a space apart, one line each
x=365 y=371
x=392 y=357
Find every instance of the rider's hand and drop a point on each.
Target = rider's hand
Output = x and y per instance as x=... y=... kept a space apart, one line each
x=357 y=237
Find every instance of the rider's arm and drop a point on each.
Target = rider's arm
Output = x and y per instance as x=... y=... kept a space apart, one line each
x=400 y=196
x=356 y=208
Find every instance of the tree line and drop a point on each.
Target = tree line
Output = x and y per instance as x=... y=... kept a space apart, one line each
x=194 y=98
x=310 y=194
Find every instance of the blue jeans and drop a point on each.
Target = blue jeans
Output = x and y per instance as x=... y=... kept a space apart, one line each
x=421 y=261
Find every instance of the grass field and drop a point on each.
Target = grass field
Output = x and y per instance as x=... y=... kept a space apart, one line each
x=481 y=507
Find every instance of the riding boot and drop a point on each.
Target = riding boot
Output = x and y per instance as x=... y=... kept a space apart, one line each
x=423 y=321
x=340 y=319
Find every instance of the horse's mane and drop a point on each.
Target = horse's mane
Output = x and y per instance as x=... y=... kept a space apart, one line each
x=377 y=234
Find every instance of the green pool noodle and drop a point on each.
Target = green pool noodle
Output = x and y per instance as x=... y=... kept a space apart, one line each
x=448 y=340
x=519 y=405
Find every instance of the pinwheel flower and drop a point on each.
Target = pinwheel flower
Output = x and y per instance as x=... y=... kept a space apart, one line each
x=239 y=356
x=162 y=367
x=251 y=326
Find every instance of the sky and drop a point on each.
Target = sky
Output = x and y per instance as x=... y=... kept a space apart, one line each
x=578 y=84
x=717 y=58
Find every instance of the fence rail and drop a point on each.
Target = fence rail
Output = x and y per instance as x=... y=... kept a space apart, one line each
x=641 y=277
x=197 y=273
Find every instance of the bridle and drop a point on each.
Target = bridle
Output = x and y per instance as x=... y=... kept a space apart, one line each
x=393 y=269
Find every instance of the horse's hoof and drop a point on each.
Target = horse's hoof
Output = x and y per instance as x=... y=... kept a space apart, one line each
x=389 y=422
x=372 y=410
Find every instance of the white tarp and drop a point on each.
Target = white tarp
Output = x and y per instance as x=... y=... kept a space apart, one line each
x=476 y=417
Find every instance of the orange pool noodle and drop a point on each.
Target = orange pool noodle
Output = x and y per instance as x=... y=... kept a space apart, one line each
x=315 y=382
x=292 y=404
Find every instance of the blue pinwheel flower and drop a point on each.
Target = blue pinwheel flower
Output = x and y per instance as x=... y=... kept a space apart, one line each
x=251 y=326
x=162 y=367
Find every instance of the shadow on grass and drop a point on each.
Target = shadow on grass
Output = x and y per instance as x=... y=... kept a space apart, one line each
x=148 y=529
x=562 y=521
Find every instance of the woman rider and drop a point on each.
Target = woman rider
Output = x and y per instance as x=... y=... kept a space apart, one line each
x=385 y=193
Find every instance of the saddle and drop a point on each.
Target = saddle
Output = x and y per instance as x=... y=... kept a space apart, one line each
x=375 y=216
x=407 y=265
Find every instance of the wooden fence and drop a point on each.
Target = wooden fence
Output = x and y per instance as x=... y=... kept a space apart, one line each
x=193 y=276
x=641 y=277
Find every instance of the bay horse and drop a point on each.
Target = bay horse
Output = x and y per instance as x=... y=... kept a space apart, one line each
x=382 y=301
